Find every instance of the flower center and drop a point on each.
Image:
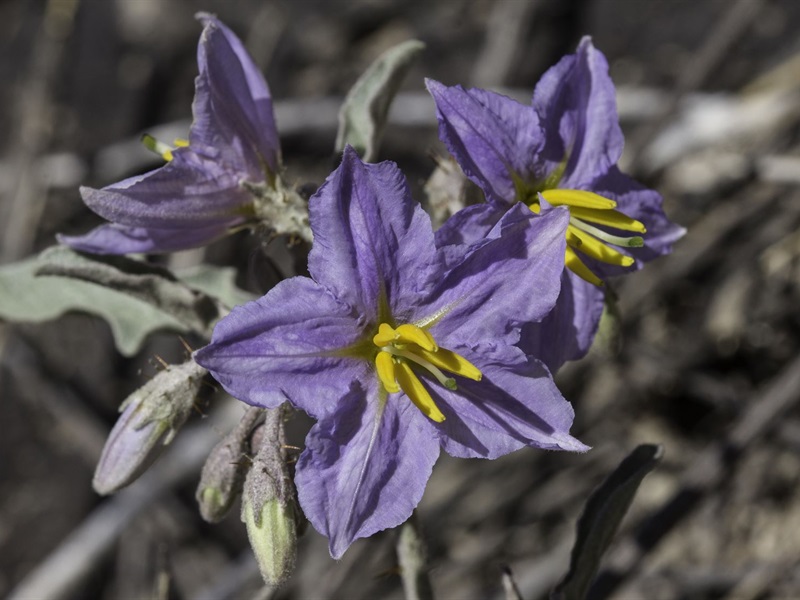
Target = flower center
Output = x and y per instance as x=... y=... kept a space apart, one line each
x=586 y=211
x=407 y=346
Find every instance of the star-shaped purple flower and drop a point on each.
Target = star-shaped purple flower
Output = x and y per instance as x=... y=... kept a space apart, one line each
x=398 y=348
x=561 y=150
x=208 y=186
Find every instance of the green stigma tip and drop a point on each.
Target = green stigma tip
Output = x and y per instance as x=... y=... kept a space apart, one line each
x=635 y=242
x=450 y=384
x=149 y=142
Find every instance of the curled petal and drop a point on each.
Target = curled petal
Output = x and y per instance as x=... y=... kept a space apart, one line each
x=493 y=137
x=120 y=239
x=364 y=468
x=576 y=102
x=188 y=192
x=233 y=105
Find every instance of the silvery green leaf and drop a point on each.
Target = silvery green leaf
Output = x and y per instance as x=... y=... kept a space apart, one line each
x=149 y=283
x=601 y=517
x=27 y=298
x=412 y=555
x=608 y=340
x=217 y=282
x=362 y=117
x=134 y=297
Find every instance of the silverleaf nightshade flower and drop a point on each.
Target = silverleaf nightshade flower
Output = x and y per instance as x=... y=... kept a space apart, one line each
x=226 y=176
x=559 y=151
x=398 y=348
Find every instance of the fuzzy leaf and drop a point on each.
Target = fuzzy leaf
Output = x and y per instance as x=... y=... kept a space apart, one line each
x=136 y=298
x=152 y=284
x=362 y=117
x=217 y=282
x=26 y=297
x=601 y=517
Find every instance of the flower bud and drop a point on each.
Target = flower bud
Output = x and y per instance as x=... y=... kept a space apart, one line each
x=151 y=416
x=223 y=473
x=269 y=504
x=273 y=537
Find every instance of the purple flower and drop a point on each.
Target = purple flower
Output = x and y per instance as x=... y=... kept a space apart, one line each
x=398 y=348
x=210 y=184
x=562 y=150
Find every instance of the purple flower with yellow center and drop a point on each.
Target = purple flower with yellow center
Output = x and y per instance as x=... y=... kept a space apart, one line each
x=398 y=349
x=215 y=182
x=559 y=151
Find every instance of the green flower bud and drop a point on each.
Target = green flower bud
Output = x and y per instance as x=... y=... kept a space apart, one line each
x=273 y=537
x=269 y=504
x=223 y=473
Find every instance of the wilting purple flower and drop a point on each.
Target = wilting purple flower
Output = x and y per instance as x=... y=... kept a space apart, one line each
x=398 y=349
x=209 y=185
x=562 y=150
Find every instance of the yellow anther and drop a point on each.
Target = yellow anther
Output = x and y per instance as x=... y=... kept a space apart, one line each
x=387 y=372
x=181 y=143
x=160 y=148
x=535 y=207
x=450 y=361
x=609 y=218
x=417 y=393
x=404 y=334
x=385 y=336
x=411 y=347
x=411 y=334
x=577 y=198
x=596 y=249
x=572 y=238
x=576 y=265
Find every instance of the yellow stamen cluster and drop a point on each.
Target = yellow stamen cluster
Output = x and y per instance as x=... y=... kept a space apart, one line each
x=408 y=345
x=586 y=210
x=162 y=149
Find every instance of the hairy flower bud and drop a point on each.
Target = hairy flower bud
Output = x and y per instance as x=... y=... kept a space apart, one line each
x=151 y=416
x=269 y=505
x=273 y=537
x=223 y=473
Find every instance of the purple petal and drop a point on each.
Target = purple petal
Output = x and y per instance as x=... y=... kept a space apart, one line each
x=516 y=403
x=577 y=104
x=120 y=239
x=567 y=332
x=491 y=136
x=233 y=106
x=284 y=345
x=469 y=225
x=364 y=468
x=372 y=244
x=510 y=278
x=189 y=191
x=642 y=204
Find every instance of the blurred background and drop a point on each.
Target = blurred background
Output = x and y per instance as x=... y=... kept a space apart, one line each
x=704 y=356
